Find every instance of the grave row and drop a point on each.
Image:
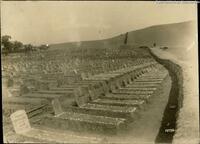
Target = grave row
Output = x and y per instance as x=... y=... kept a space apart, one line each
x=101 y=103
x=33 y=66
x=46 y=84
x=64 y=66
x=92 y=115
x=106 y=114
x=19 y=79
x=91 y=86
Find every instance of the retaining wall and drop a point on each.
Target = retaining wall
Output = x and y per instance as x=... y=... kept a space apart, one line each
x=175 y=72
x=175 y=101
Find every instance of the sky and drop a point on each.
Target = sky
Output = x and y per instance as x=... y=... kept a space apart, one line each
x=42 y=22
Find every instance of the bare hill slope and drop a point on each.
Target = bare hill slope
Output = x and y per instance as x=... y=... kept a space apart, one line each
x=177 y=36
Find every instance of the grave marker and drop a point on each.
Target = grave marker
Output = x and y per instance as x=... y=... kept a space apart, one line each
x=89 y=75
x=57 y=107
x=20 y=122
x=83 y=76
x=80 y=97
x=75 y=71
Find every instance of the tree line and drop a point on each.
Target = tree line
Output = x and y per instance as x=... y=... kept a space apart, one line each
x=8 y=46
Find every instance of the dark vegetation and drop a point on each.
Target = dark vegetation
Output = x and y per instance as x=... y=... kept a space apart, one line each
x=8 y=46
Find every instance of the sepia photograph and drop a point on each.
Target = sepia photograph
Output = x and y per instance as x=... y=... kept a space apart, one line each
x=120 y=72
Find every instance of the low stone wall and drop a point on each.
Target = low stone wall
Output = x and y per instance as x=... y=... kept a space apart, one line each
x=175 y=71
x=175 y=101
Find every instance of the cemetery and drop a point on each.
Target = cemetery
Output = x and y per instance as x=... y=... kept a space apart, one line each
x=61 y=96
x=96 y=72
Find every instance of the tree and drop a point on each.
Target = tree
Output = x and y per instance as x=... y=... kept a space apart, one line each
x=7 y=45
x=17 y=45
x=5 y=39
x=28 y=47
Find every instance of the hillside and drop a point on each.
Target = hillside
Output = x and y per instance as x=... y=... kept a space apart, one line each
x=177 y=35
x=107 y=43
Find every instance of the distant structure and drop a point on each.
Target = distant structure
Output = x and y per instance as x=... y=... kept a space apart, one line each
x=154 y=44
x=125 y=42
x=126 y=38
